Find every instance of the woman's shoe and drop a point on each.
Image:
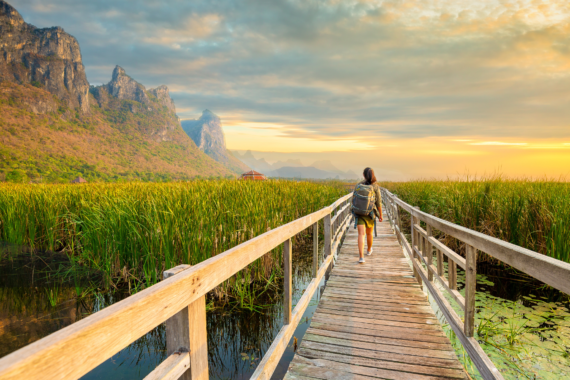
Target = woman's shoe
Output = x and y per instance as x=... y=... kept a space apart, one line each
x=369 y=252
x=361 y=261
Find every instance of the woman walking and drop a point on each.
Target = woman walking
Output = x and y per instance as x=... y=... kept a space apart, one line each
x=366 y=223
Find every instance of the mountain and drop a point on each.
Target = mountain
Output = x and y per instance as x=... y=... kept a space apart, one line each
x=47 y=57
x=294 y=168
x=54 y=126
x=208 y=135
x=259 y=165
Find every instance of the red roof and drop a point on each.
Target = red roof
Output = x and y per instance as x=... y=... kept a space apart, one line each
x=253 y=175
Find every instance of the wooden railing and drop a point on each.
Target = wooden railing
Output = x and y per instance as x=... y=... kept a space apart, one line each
x=179 y=300
x=553 y=272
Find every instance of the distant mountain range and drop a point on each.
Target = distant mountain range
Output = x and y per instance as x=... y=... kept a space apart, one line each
x=295 y=169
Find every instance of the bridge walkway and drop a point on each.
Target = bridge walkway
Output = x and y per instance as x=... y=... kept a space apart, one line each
x=374 y=322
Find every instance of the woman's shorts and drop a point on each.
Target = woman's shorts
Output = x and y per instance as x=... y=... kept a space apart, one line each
x=366 y=221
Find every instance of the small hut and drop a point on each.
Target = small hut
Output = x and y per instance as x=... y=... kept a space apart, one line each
x=79 y=180
x=252 y=175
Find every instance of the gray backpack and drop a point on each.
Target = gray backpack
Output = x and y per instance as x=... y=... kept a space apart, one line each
x=364 y=200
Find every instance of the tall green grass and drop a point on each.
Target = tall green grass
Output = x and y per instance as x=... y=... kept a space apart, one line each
x=132 y=232
x=531 y=214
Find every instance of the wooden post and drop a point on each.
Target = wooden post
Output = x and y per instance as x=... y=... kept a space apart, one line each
x=429 y=251
x=439 y=262
x=452 y=274
x=328 y=240
x=416 y=242
x=315 y=249
x=186 y=332
x=470 y=284
x=288 y=281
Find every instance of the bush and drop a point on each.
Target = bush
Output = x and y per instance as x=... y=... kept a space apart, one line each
x=17 y=176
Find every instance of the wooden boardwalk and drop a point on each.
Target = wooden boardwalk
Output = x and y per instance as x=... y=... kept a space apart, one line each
x=374 y=322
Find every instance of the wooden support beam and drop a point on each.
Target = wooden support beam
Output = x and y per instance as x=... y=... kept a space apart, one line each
x=315 y=249
x=470 y=284
x=287 y=281
x=328 y=240
x=452 y=273
x=416 y=243
x=173 y=368
x=186 y=332
x=440 y=268
x=429 y=251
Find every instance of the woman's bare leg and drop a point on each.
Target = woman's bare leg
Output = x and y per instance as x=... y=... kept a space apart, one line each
x=369 y=238
x=361 y=233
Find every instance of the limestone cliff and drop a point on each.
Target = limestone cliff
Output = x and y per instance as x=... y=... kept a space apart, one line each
x=208 y=135
x=48 y=58
x=154 y=102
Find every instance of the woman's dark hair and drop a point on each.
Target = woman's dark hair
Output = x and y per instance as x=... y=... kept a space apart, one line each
x=369 y=176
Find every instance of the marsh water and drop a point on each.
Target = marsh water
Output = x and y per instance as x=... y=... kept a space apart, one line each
x=521 y=324
x=32 y=307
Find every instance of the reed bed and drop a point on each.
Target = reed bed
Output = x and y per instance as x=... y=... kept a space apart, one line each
x=531 y=214
x=130 y=233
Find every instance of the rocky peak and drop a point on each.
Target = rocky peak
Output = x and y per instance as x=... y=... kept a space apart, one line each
x=124 y=87
x=207 y=133
x=163 y=95
x=48 y=58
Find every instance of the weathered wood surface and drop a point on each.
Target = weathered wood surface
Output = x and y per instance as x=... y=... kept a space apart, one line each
x=373 y=321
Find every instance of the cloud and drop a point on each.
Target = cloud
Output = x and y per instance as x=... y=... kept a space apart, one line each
x=355 y=70
x=499 y=143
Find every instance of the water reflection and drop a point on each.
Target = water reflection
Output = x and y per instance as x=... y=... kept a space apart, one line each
x=34 y=304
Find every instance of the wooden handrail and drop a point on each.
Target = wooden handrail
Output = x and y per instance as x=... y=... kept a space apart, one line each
x=546 y=269
x=76 y=349
x=551 y=271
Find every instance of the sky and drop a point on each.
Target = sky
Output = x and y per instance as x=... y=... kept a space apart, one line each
x=414 y=89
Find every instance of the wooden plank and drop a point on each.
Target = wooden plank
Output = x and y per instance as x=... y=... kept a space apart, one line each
x=173 y=368
x=404 y=371
x=287 y=281
x=419 y=345
x=377 y=321
x=115 y=327
x=404 y=363
x=384 y=316
x=440 y=355
x=377 y=331
x=355 y=370
x=470 y=289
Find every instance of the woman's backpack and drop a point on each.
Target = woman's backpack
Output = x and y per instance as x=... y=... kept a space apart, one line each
x=364 y=200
